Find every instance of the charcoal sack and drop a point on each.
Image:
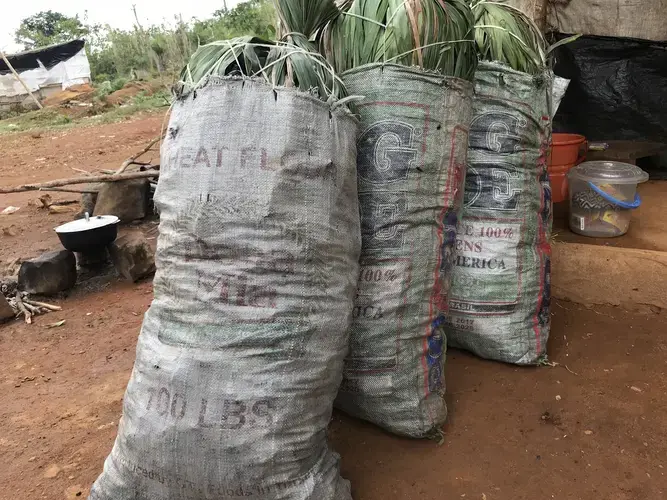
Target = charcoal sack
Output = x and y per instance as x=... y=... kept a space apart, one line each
x=411 y=169
x=241 y=353
x=501 y=292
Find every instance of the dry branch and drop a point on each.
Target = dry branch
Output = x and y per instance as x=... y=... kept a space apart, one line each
x=47 y=201
x=81 y=171
x=133 y=158
x=66 y=190
x=44 y=305
x=62 y=203
x=79 y=180
x=33 y=310
x=22 y=308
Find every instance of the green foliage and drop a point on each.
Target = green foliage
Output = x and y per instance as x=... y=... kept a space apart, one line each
x=145 y=52
x=43 y=118
x=49 y=27
x=279 y=64
x=141 y=103
x=305 y=16
x=108 y=87
x=505 y=34
x=54 y=119
x=435 y=35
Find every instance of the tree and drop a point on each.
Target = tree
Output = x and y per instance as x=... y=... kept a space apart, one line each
x=253 y=17
x=49 y=27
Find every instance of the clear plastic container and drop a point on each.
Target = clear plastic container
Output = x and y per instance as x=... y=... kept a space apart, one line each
x=603 y=195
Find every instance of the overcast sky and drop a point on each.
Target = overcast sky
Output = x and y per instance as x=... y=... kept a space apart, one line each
x=117 y=13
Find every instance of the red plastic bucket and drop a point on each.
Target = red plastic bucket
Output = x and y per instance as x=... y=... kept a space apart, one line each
x=567 y=151
x=558 y=180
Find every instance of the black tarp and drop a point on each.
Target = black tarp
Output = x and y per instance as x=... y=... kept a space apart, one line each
x=618 y=89
x=48 y=56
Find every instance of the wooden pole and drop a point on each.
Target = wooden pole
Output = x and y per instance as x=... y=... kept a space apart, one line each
x=70 y=190
x=540 y=9
x=80 y=180
x=11 y=68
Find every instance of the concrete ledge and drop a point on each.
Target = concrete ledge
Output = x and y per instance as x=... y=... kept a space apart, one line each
x=592 y=274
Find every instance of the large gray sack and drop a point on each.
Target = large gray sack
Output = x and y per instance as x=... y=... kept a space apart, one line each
x=411 y=167
x=501 y=289
x=241 y=353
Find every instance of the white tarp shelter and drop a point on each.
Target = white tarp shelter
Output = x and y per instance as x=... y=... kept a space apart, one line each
x=55 y=67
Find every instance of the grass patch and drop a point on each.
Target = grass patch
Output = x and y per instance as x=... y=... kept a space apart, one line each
x=161 y=100
x=57 y=119
x=44 y=118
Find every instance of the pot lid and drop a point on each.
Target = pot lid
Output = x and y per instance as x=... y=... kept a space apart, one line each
x=88 y=223
x=612 y=172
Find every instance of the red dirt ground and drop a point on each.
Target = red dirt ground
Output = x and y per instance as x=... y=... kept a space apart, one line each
x=596 y=429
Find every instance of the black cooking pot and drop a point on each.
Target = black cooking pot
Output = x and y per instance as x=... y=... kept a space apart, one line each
x=89 y=233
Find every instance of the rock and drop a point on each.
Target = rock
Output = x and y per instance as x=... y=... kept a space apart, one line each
x=132 y=256
x=52 y=471
x=10 y=230
x=73 y=492
x=10 y=210
x=127 y=200
x=88 y=200
x=44 y=201
x=8 y=286
x=6 y=311
x=49 y=273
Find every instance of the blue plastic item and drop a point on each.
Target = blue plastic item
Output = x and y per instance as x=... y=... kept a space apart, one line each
x=611 y=199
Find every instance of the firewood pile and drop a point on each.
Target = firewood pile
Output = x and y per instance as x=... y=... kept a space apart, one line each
x=24 y=306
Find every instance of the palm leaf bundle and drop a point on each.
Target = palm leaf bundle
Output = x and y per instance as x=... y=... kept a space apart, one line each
x=436 y=35
x=302 y=19
x=505 y=34
x=291 y=62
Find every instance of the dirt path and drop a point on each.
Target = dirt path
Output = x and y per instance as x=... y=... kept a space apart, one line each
x=513 y=433
x=38 y=157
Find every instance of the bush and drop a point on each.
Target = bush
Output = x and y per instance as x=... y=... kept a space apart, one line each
x=165 y=49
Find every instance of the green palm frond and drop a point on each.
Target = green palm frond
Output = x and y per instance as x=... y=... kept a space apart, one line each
x=505 y=34
x=305 y=17
x=436 y=35
x=280 y=64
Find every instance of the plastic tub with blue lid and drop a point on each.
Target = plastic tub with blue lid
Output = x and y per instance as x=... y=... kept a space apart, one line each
x=603 y=195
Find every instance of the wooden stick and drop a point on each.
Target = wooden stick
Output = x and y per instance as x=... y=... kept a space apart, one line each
x=22 y=308
x=33 y=310
x=142 y=168
x=11 y=68
x=80 y=180
x=65 y=202
x=81 y=171
x=47 y=202
x=70 y=190
x=131 y=159
x=50 y=307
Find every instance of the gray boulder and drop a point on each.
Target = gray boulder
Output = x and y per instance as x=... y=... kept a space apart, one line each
x=6 y=311
x=49 y=273
x=127 y=200
x=132 y=256
x=88 y=200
